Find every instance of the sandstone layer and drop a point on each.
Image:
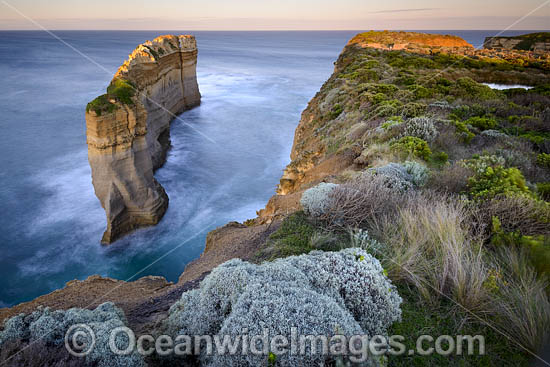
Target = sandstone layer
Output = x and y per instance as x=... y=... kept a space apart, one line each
x=128 y=130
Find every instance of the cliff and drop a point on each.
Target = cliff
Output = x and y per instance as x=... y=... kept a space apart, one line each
x=128 y=130
x=346 y=128
x=536 y=42
x=325 y=140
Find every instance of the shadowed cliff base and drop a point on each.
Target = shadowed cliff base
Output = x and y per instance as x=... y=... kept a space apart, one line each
x=128 y=130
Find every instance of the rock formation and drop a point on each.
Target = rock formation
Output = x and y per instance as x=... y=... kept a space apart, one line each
x=128 y=130
x=536 y=42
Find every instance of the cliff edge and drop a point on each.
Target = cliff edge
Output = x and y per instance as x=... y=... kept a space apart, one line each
x=128 y=130
x=536 y=42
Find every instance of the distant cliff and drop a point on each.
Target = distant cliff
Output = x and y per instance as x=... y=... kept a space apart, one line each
x=128 y=130
x=536 y=42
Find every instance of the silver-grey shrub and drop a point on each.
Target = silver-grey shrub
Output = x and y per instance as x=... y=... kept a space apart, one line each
x=402 y=177
x=50 y=327
x=421 y=127
x=315 y=200
x=344 y=293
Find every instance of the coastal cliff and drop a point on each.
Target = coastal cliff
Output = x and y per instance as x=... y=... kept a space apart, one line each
x=423 y=105
x=128 y=130
x=535 y=42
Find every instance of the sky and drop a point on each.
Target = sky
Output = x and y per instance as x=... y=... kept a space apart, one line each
x=275 y=15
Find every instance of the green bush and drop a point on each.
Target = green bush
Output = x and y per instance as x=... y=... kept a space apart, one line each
x=469 y=88
x=101 y=104
x=420 y=92
x=387 y=108
x=482 y=123
x=463 y=132
x=292 y=238
x=411 y=145
x=543 y=160
x=337 y=109
x=537 y=247
x=543 y=189
x=497 y=180
x=413 y=109
x=440 y=158
x=123 y=90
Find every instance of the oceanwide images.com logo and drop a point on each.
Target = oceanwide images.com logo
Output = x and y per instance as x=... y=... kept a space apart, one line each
x=80 y=341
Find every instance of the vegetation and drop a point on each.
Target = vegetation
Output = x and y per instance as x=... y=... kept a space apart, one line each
x=330 y=293
x=413 y=146
x=123 y=90
x=468 y=247
x=120 y=90
x=101 y=105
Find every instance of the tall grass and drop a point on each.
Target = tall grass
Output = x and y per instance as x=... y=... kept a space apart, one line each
x=521 y=300
x=428 y=244
x=434 y=242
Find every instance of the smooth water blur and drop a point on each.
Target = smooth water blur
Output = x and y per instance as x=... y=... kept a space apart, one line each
x=254 y=87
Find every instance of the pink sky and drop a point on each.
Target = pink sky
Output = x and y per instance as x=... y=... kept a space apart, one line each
x=275 y=15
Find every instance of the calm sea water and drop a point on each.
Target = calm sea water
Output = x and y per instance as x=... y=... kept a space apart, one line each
x=254 y=87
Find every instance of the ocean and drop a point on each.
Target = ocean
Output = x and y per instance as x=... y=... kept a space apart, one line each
x=254 y=86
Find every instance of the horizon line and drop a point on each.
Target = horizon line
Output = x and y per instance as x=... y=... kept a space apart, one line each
x=273 y=30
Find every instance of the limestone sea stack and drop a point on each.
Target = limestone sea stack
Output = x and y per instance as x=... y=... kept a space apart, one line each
x=128 y=130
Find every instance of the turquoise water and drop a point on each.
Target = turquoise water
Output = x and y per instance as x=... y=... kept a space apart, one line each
x=254 y=87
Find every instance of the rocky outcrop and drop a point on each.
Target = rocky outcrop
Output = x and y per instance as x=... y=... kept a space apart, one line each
x=536 y=42
x=128 y=130
x=408 y=40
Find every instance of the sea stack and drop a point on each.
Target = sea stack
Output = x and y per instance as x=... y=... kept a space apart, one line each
x=128 y=130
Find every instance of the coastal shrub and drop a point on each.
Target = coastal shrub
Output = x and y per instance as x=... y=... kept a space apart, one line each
x=543 y=160
x=412 y=146
x=50 y=327
x=315 y=200
x=421 y=127
x=391 y=122
x=420 y=92
x=402 y=177
x=418 y=171
x=482 y=123
x=543 y=189
x=440 y=158
x=293 y=237
x=413 y=109
x=123 y=90
x=100 y=105
x=452 y=178
x=343 y=292
x=440 y=105
x=468 y=88
x=492 y=179
x=360 y=203
x=386 y=109
x=495 y=134
x=336 y=111
x=517 y=213
x=463 y=132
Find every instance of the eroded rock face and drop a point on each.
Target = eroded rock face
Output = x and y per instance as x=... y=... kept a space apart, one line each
x=128 y=130
x=536 y=42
